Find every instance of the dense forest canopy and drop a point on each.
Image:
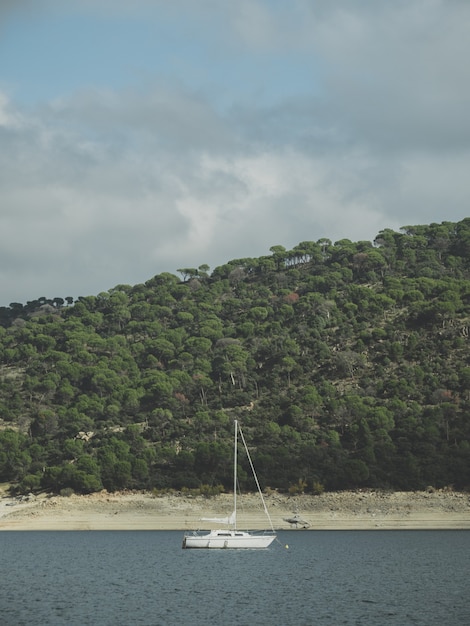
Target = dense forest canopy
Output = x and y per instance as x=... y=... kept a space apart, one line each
x=348 y=364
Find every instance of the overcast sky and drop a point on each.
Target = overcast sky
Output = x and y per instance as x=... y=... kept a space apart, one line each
x=142 y=136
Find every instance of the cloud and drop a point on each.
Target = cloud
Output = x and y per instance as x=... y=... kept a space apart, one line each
x=88 y=207
x=396 y=72
x=341 y=119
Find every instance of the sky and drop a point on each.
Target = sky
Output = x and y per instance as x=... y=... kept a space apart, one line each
x=143 y=136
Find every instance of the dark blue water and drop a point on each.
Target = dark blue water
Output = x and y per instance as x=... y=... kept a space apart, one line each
x=324 y=577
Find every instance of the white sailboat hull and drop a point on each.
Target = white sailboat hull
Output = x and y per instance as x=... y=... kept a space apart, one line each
x=228 y=539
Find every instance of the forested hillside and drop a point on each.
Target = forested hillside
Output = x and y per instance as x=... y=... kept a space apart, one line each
x=348 y=364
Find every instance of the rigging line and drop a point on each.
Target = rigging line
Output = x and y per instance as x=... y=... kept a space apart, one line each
x=255 y=477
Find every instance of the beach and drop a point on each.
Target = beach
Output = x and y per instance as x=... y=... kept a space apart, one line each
x=357 y=510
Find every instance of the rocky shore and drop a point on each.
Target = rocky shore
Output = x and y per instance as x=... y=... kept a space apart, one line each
x=365 y=509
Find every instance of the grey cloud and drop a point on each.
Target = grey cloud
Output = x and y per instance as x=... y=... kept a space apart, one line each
x=397 y=74
x=390 y=75
x=170 y=118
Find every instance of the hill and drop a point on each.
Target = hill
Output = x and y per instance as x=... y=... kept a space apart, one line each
x=347 y=363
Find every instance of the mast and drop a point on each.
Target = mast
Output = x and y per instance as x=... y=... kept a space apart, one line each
x=235 y=476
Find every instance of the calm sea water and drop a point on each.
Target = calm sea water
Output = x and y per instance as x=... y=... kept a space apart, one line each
x=335 y=577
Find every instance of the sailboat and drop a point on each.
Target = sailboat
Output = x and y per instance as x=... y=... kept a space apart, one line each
x=231 y=537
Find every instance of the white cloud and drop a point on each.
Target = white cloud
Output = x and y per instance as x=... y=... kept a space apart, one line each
x=9 y=118
x=83 y=208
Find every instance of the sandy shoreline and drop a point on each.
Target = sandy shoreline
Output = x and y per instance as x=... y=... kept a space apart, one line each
x=364 y=510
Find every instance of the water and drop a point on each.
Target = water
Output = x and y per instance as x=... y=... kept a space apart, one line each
x=336 y=577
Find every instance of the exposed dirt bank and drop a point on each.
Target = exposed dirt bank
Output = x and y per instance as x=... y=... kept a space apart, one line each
x=330 y=511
